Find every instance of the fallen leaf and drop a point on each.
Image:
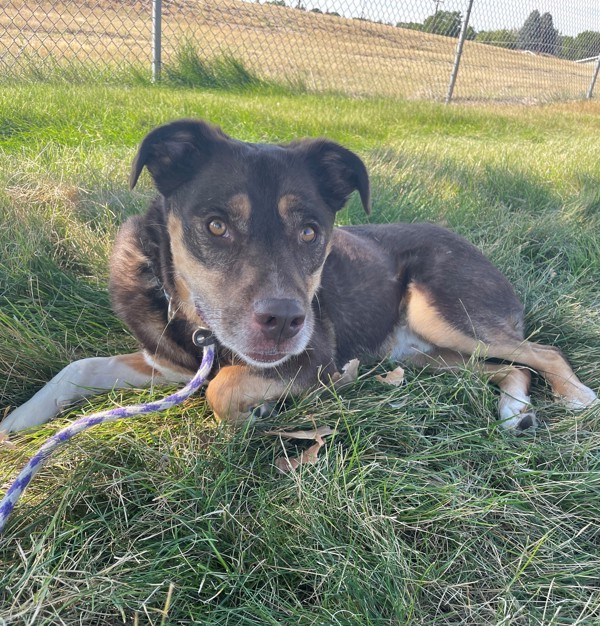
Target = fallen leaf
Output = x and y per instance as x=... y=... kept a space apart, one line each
x=315 y=435
x=310 y=455
x=394 y=378
x=348 y=376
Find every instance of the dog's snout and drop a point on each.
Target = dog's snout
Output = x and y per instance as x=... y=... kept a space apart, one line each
x=279 y=318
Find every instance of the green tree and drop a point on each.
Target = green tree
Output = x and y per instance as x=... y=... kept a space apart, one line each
x=530 y=33
x=548 y=35
x=471 y=33
x=502 y=38
x=588 y=44
x=443 y=23
x=410 y=25
x=584 y=46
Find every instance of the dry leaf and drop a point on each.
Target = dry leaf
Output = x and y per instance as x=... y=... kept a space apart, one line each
x=348 y=375
x=309 y=456
x=394 y=378
x=315 y=435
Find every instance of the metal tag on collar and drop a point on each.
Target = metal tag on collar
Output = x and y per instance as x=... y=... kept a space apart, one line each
x=202 y=337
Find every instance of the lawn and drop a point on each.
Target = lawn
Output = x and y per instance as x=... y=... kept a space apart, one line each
x=421 y=510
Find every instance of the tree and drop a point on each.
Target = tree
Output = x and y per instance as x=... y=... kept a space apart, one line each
x=548 y=35
x=410 y=25
x=529 y=35
x=587 y=44
x=443 y=23
x=584 y=46
x=502 y=38
x=471 y=34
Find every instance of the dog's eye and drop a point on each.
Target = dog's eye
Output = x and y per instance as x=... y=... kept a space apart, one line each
x=308 y=234
x=217 y=228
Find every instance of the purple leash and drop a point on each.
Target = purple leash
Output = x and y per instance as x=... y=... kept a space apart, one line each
x=24 y=478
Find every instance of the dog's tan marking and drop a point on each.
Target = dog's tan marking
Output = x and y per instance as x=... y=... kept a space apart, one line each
x=286 y=203
x=313 y=282
x=240 y=206
x=189 y=268
x=167 y=369
x=553 y=366
x=137 y=362
x=425 y=320
x=236 y=390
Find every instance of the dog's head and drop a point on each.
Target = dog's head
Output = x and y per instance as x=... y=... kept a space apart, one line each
x=249 y=227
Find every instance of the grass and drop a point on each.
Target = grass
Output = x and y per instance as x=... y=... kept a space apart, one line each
x=280 y=44
x=421 y=510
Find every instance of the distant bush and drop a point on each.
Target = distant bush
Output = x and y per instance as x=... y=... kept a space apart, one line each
x=410 y=25
x=502 y=38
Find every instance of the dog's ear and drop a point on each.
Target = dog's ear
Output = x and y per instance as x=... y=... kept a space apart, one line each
x=338 y=172
x=174 y=152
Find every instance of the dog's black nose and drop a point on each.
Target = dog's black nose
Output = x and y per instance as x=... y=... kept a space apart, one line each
x=279 y=318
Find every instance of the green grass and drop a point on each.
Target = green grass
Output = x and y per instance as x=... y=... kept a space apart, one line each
x=421 y=510
x=186 y=68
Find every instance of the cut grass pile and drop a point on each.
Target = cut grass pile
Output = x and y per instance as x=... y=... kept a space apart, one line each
x=421 y=510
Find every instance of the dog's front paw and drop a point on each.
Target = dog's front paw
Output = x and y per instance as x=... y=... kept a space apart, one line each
x=266 y=409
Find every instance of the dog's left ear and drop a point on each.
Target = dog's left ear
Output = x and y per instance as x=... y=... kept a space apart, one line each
x=338 y=172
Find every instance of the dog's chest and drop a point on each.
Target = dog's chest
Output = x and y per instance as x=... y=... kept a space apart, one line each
x=403 y=343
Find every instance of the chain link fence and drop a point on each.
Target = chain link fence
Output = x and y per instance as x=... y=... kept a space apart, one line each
x=511 y=50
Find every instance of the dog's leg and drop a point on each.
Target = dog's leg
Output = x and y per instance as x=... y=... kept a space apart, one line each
x=550 y=362
x=85 y=378
x=237 y=390
x=425 y=320
x=514 y=405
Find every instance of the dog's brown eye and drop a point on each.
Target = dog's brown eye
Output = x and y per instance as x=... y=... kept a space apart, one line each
x=217 y=228
x=308 y=234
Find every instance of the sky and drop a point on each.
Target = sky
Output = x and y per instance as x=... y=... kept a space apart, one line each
x=570 y=17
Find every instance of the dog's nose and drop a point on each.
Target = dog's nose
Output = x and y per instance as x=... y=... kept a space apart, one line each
x=279 y=318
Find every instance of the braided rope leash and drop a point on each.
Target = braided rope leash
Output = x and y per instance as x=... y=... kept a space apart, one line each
x=24 y=478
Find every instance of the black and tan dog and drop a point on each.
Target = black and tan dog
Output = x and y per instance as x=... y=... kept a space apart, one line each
x=242 y=240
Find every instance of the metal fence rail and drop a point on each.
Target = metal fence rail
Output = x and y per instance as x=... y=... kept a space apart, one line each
x=499 y=50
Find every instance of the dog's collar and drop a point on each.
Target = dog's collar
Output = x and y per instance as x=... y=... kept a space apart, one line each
x=203 y=337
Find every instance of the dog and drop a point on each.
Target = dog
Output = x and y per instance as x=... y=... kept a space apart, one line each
x=241 y=241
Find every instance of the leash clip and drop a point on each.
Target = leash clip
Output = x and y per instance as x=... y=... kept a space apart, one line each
x=203 y=337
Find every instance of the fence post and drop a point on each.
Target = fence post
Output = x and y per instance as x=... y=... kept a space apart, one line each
x=459 y=48
x=156 y=39
x=593 y=81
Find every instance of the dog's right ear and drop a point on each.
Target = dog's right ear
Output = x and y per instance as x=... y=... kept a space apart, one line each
x=337 y=171
x=174 y=152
